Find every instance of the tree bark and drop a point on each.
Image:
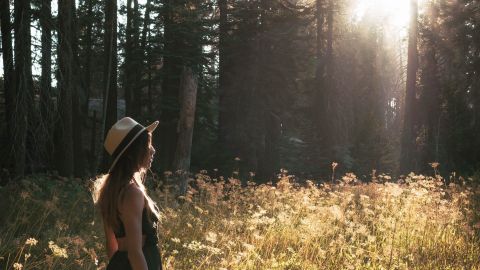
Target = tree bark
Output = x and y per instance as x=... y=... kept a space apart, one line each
x=128 y=76
x=8 y=72
x=88 y=56
x=407 y=160
x=78 y=101
x=110 y=73
x=46 y=104
x=133 y=61
x=64 y=128
x=23 y=83
x=188 y=98
x=173 y=64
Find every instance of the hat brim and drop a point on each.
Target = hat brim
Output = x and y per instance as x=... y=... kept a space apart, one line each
x=152 y=126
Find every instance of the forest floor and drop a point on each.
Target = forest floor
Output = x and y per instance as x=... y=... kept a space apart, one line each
x=49 y=222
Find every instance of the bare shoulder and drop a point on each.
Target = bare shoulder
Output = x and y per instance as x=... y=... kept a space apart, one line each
x=133 y=198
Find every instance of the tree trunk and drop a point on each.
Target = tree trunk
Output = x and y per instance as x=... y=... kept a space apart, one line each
x=8 y=73
x=328 y=116
x=88 y=56
x=137 y=62
x=320 y=19
x=110 y=74
x=87 y=72
x=46 y=104
x=431 y=98
x=146 y=23
x=188 y=98
x=320 y=95
x=64 y=128
x=229 y=98
x=23 y=83
x=173 y=64
x=128 y=67
x=78 y=96
x=407 y=160
x=146 y=57
x=132 y=61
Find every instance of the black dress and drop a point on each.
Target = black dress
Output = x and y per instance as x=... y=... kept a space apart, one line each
x=119 y=260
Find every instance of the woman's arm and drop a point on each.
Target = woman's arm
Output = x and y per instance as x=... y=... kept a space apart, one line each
x=111 y=241
x=131 y=215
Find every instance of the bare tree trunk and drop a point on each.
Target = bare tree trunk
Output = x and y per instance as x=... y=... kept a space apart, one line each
x=8 y=72
x=407 y=160
x=88 y=56
x=431 y=99
x=128 y=67
x=78 y=96
x=88 y=82
x=173 y=64
x=23 y=83
x=64 y=128
x=46 y=104
x=146 y=57
x=110 y=74
x=188 y=98
x=133 y=61
x=320 y=103
x=223 y=76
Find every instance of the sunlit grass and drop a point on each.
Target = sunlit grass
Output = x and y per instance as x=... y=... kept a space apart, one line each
x=415 y=223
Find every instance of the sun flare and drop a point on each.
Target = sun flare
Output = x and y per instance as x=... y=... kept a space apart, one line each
x=394 y=12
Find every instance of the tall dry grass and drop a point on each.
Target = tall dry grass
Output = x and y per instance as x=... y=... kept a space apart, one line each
x=416 y=223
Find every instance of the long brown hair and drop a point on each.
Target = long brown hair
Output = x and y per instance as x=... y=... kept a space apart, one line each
x=109 y=189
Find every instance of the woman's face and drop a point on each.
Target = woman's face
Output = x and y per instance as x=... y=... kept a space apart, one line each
x=150 y=152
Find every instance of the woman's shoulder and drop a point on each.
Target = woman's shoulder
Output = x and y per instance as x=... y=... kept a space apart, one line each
x=133 y=196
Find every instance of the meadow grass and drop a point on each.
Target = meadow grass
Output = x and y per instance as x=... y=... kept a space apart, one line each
x=418 y=222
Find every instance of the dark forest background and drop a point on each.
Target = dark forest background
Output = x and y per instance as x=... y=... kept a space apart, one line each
x=242 y=86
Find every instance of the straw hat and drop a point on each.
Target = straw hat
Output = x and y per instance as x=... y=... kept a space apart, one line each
x=121 y=136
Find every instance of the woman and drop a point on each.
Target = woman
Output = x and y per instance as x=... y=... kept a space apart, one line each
x=129 y=215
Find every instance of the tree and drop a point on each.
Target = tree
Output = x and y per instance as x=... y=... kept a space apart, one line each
x=64 y=126
x=408 y=159
x=46 y=104
x=133 y=60
x=8 y=71
x=110 y=71
x=188 y=99
x=23 y=83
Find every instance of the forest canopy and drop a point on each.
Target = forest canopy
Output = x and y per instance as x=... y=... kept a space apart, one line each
x=248 y=86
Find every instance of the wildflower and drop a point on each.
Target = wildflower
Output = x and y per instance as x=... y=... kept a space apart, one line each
x=334 y=165
x=434 y=164
x=248 y=246
x=57 y=251
x=61 y=226
x=237 y=159
x=175 y=240
x=27 y=255
x=17 y=266
x=336 y=212
x=24 y=195
x=211 y=237
x=78 y=241
x=174 y=252
x=31 y=242
x=199 y=210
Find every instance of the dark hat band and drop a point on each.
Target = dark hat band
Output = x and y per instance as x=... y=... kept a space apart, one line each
x=126 y=141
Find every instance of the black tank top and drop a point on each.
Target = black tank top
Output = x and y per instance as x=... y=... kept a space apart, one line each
x=148 y=228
